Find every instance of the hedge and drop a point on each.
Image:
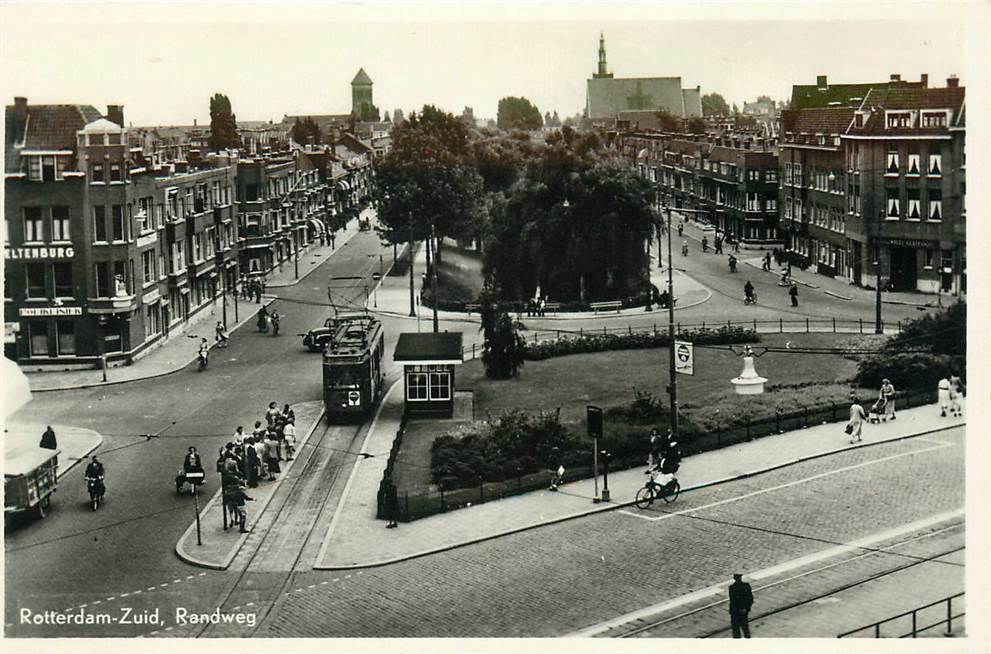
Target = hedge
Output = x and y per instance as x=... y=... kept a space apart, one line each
x=642 y=340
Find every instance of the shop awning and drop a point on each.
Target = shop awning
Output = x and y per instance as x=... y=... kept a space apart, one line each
x=317 y=226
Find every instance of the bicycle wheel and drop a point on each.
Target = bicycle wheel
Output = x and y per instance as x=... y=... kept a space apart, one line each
x=645 y=497
x=672 y=494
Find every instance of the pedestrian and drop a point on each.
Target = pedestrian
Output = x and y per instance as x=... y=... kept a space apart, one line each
x=766 y=266
x=390 y=504
x=48 y=440
x=741 y=598
x=943 y=392
x=705 y=243
x=263 y=320
x=272 y=455
x=235 y=498
x=258 y=431
x=253 y=463
x=655 y=443
x=855 y=426
x=272 y=415
x=793 y=292
x=261 y=289
x=956 y=391
x=289 y=436
x=239 y=435
x=736 y=245
x=664 y=298
x=777 y=256
x=221 y=462
x=684 y=248
x=558 y=478
x=543 y=306
x=288 y=413
x=681 y=228
x=888 y=395
x=719 y=245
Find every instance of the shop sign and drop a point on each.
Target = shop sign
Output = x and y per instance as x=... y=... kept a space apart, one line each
x=908 y=242
x=39 y=252
x=34 y=312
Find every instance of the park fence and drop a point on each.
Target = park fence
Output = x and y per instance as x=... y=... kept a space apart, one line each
x=415 y=505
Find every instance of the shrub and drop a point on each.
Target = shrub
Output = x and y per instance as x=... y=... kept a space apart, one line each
x=909 y=371
x=637 y=340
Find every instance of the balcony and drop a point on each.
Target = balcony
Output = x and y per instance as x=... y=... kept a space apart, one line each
x=112 y=305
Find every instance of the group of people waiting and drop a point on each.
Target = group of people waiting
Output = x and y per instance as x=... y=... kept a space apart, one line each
x=536 y=306
x=251 y=288
x=249 y=458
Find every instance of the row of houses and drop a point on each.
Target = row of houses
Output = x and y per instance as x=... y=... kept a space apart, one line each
x=861 y=178
x=109 y=250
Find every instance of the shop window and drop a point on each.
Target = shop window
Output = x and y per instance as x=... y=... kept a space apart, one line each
x=416 y=387
x=440 y=386
x=62 y=272
x=38 y=338
x=60 y=224
x=65 y=337
x=33 y=225
x=36 y=280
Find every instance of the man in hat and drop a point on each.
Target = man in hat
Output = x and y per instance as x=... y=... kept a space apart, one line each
x=741 y=598
x=49 y=442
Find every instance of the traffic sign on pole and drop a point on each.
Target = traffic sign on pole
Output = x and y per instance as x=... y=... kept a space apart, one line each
x=684 y=357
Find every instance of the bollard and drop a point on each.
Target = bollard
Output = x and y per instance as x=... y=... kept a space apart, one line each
x=196 y=504
x=472 y=350
x=581 y=332
x=406 y=498
x=655 y=329
x=755 y=324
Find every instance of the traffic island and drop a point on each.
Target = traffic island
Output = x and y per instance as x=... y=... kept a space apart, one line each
x=74 y=443
x=214 y=547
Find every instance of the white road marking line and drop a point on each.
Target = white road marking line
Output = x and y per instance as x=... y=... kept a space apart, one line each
x=150 y=588
x=95 y=602
x=111 y=598
x=202 y=574
x=717 y=589
x=137 y=592
x=176 y=581
x=298 y=590
x=163 y=585
x=169 y=628
x=125 y=594
x=250 y=604
x=153 y=632
x=347 y=576
x=761 y=491
x=323 y=583
x=189 y=576
x=312 y=586
x=336 y=579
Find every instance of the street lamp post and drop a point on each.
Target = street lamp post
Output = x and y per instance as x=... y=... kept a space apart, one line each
x=672 y=374
x=433 y=278
x=877 y=271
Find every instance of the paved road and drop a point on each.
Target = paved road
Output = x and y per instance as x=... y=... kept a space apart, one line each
x=76 y=556
x=562 y=578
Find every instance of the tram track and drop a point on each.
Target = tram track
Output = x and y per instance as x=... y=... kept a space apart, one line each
x=259 y=562
x=719 y=605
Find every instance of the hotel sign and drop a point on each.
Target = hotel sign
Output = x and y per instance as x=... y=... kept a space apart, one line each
x=39 y=252
x=34 y=312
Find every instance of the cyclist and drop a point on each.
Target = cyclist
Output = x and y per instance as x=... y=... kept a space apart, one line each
x=748 y=293
x=732 y=263
x=684 y=248
x=94 y=477
x=204 y=352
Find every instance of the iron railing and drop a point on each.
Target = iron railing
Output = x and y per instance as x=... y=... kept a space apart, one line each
x=914 y=613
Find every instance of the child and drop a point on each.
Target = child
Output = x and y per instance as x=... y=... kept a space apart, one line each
x=558 y=478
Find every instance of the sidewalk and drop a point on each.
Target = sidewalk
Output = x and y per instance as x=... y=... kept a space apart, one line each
x=357 y=539
x=74 y=443
x=219 y=546
x=180 y=350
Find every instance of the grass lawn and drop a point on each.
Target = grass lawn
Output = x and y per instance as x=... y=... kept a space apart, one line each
x=608 y=378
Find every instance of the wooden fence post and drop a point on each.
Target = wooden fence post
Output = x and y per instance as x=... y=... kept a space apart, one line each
x=861 y=325
x=806 y=325
x=834 y=324
x=781 y=326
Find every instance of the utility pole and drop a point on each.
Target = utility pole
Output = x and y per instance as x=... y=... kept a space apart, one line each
x=673 y=375
x=433 y=278
x=412 y=312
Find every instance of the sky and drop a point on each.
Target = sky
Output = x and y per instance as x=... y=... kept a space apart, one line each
x=164 y=62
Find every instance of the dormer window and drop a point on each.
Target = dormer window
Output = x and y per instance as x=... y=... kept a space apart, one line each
x=858 y=120
x=934 y=119
x=822 y=139
x=900 y=119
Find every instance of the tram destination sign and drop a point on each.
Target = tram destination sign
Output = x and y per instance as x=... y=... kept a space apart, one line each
x=39 y=252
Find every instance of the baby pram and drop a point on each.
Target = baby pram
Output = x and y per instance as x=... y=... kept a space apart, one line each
x=877 y=410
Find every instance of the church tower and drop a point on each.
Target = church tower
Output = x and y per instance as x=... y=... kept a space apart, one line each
x=602 y=74
x=361 y=92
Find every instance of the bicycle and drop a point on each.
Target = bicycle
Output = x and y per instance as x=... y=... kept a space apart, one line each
x=668 y=492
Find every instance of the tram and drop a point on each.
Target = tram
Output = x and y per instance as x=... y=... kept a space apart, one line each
x=352 y=367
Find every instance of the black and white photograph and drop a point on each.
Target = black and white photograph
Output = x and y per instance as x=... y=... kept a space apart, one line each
x=564 y=321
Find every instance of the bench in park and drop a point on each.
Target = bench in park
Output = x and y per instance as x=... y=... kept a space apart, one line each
x=552 y=306
x=471 y=307
x=607 y=306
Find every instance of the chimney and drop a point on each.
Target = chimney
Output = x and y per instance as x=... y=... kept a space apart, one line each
x=952 y=82
x=194 y=122
x=821 y=82
x=20 y=109
x=115 y=114
x=895 y=77
x=924 y=78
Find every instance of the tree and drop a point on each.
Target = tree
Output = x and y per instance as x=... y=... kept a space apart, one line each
x=386 y=117
x=398 y=117
x=714 y=104
x=696 y=126
x=504 y=350
x=223 y=124
x=368 y=113
x=736 y=109
x=305 y=131
x=518 y=113
x=555 y=121
x=429 y=172
x=669 y=122
x=765 y=98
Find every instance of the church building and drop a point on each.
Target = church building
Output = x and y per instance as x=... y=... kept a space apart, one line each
x=609 y=98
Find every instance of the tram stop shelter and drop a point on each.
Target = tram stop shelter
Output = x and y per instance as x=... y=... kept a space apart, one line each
x=428 y=372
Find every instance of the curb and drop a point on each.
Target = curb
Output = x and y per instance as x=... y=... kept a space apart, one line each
x=270 y=299
x=837 y=295
x=354 y=471
x=82 y=457
x=200 y=563
x=613 y=507
x=926 y=305
x=344 y=241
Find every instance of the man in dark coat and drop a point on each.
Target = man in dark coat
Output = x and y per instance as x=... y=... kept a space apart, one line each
x=793 y=292
x=741 y=598
x=48 y=440
x=391 y=505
